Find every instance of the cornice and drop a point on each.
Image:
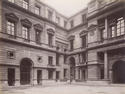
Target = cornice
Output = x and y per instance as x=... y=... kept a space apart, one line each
x=32 y=14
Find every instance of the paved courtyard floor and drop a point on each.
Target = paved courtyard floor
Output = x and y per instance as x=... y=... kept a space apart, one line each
x=67 y=89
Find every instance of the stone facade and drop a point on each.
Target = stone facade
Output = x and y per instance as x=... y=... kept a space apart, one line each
x=91 y=50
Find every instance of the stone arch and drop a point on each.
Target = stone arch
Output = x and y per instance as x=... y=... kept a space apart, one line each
x=26 y=65
x=118 y=70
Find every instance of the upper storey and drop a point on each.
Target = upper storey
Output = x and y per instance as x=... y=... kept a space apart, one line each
x=80 y=18
x=94 y=8
x=43 y=10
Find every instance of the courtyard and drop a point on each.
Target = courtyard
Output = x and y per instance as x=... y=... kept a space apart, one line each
x=67 y=89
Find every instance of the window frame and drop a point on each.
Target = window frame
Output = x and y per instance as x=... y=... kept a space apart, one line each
x=25 y=4
x=50 y=60
x=27 y=36
x=12 y=30
x=37 y=9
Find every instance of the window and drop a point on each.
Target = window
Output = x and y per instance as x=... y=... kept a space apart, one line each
x=120 y=26
x=113 y=31
x=11 y=54
x=117 y=27
x=37 y=10
x=71 y=44
x=50 y=39
x=84 y=57
x=50 y=60
x=38 y=36
x=57 y=59
x=65 y=57
x=65 y=73
x=103 y=34
x=65 y=24
x=25 y=4
x=72 y=23
x=50 y=14
x=25 y=32
x=50 y=74
x=83 y=41
x=10 y=28
x=58 y=20
x=12 y=1
x=84 y=18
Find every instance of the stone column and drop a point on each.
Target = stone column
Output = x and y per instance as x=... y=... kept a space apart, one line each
x=105 y=65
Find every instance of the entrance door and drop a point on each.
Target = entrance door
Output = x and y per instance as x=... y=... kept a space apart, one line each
x=11 y=77
x=57 y=75
x=119 y=72
x=83 y=74
x=39 y=76
x=25 y=71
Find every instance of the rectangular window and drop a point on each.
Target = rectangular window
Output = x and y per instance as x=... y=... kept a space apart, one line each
x=50 y=74
x=84 y=57
x=84 y=19
x=113 y=31
x=65 y=24
x=50 y=15
x=37 y=10
x=71 y=44
x=10 y=28
x=25 y=4
x=50 y=60
x=57 y=59
x=25 y=32
x=65 y=58
x=83 y=41
x=58 y=20
x=38 y=36
x=12 y=1
x=103 y=34
x=11 y=54
x=72 y=23
x=65 y=73
x=120 y=26
x=50 y=39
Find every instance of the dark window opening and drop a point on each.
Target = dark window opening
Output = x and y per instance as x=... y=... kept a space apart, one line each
x=83 y=41
x=50 y=40
x=65 y=73
x=11 y=54
x=38 y=36
x=71 y=44
x=50 y=74
x=50 y=60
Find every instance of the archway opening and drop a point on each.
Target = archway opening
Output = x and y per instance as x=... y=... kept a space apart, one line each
x=119 y=72
x=72 y=68
x=25 y=71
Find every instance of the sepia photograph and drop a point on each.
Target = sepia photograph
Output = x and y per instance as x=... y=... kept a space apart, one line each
x=62 y=46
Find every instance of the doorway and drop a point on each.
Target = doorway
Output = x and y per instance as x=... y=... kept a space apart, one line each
x=39 y=76
x=11 y=76
x=119 y=72
x=25 y=71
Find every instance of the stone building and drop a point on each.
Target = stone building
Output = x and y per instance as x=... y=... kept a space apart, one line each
x=41 y=46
